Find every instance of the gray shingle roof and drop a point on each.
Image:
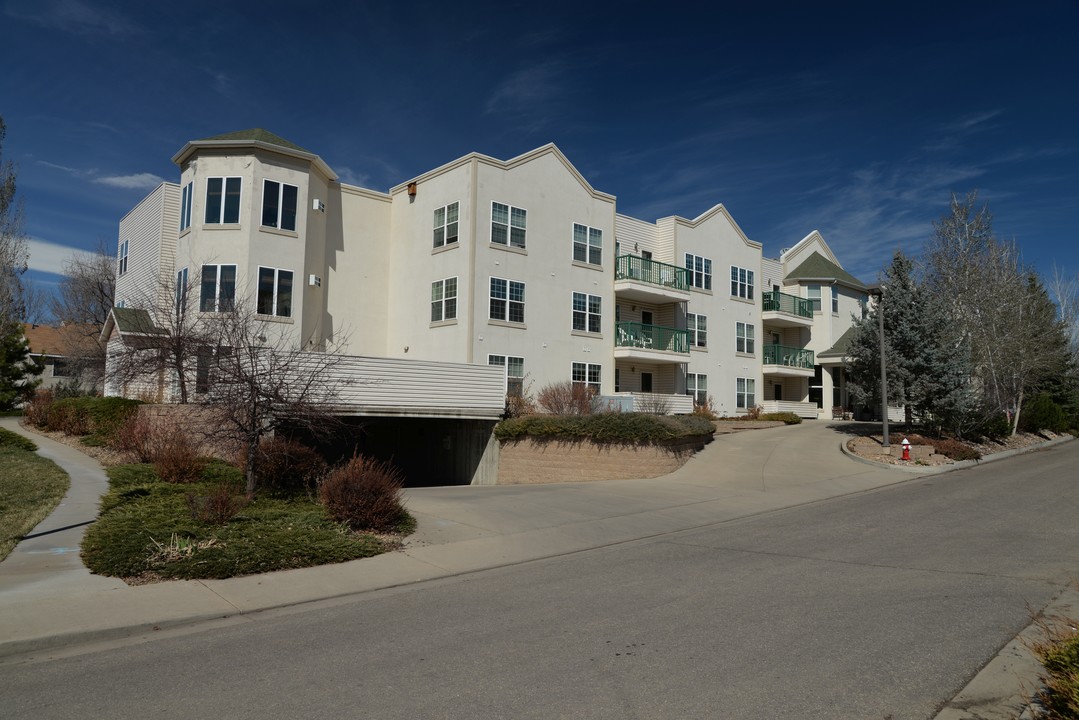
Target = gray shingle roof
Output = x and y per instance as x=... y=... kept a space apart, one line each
x=256 y=135
x=841 y=345
x=818 y=267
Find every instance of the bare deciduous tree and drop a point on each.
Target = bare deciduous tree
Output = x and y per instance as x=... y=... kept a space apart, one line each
x=81 y=306
x=14 y=252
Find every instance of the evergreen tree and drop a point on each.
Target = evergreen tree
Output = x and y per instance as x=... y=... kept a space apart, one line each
x=18 y=371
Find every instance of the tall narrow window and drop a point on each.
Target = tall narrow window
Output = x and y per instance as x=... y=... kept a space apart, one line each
x=507 y=300
x=515 y=372
x=741 y=282
x=835 y=300
x=218 y=288
x=185 y=207
x=122 y=257
x=744 y=338
x=446 y=224
x=813 y=295
x=279 y=205
x=700 y=271
x=222 y=200
x=508 y=225
x=587 y=244
x=697 y=388
x=586 y=312
x=745 y=393
x=181 y=292
x=698 y=329
x=444 y=299
x=274 y=292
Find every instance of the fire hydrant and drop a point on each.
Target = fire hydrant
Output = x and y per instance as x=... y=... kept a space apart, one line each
x=906 y=449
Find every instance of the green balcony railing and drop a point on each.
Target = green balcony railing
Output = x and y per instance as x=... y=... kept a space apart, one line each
x=651 y=337
x=633 y=267
x=789 y=356
x=789 y=304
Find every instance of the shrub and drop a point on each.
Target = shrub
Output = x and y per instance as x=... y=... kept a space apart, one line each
x=176 y=458
x=1042 y=413
x=365 y=494
x=784 y=417
x=217 y=507
x=705 y=410
x=565 y=398
x=996 y=427
x=15 y=440
x=635 y=428
x=36 y=409
x=85 y=415
x=754 y=413
x=949 y=448
x=285 y=464
x=136 y=435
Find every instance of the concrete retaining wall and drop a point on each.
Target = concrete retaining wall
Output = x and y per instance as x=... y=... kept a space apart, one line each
x=543 y=461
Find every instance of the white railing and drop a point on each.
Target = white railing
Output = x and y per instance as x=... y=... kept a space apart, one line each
x=650 y=402
x=801 y=409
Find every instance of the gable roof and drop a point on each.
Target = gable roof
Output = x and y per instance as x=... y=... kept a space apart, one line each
x=255 y=135
x=817 y=267
x=841 y=345
x=130 y=321
x=59 y=341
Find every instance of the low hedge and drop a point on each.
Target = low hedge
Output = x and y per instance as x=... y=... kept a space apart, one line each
x=99 y=416
x=633 y=428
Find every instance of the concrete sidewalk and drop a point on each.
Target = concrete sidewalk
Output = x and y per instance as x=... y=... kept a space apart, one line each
x=48 y=600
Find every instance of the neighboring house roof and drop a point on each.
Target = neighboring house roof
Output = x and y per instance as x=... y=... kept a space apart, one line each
x=256 y=135
x=130 y=321
x=58 y=341
x=817 y=267
x=841 y=345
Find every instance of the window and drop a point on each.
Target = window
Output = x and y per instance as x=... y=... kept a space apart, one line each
x=185 y=207
x=813 y=294
x=697 y=388
x=222 y=200
x=698 y=329
x=218 y=288
x=835 y=300
x=507 y=225
x=446 y=223
x=275 y=292
x=587 y=244
x=515 y=372
x=507 y=300
x=444 y=299
x=586 y=374
x=741 y=282
x=744 y=338
x=122 y=256
x=745 y=394
x=700 y=271
x=181 y=292
x=586 y=312
x=60 y=368
x=278 y=205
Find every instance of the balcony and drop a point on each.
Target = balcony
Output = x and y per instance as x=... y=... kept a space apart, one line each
x=650 y=343
x=783 y=310
x=648 y=281
x=786 y=361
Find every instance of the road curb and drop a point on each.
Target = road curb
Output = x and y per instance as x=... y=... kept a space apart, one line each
x=938 y=469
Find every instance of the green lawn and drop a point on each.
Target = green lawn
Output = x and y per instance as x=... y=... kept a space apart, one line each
x=30 y=487
x=147 y=530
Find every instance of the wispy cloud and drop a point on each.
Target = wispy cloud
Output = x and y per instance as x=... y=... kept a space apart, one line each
x=533 y=96
x=51 y=257
x=352 y=177
x=138 y=181
x=134 y=181
x=73 y=16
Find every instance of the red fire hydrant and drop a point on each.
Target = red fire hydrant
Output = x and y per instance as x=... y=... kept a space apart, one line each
x=906 y=449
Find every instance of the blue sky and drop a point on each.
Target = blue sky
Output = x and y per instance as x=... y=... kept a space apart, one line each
x=858 y=119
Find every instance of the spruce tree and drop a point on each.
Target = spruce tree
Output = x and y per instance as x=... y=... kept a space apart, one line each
x=18 y=371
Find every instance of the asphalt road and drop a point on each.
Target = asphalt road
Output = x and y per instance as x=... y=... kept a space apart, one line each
x=880 y=605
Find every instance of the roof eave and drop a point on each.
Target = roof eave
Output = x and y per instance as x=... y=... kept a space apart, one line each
x=194 y=146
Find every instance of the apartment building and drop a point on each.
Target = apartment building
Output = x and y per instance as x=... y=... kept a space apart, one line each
x=519 y=264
